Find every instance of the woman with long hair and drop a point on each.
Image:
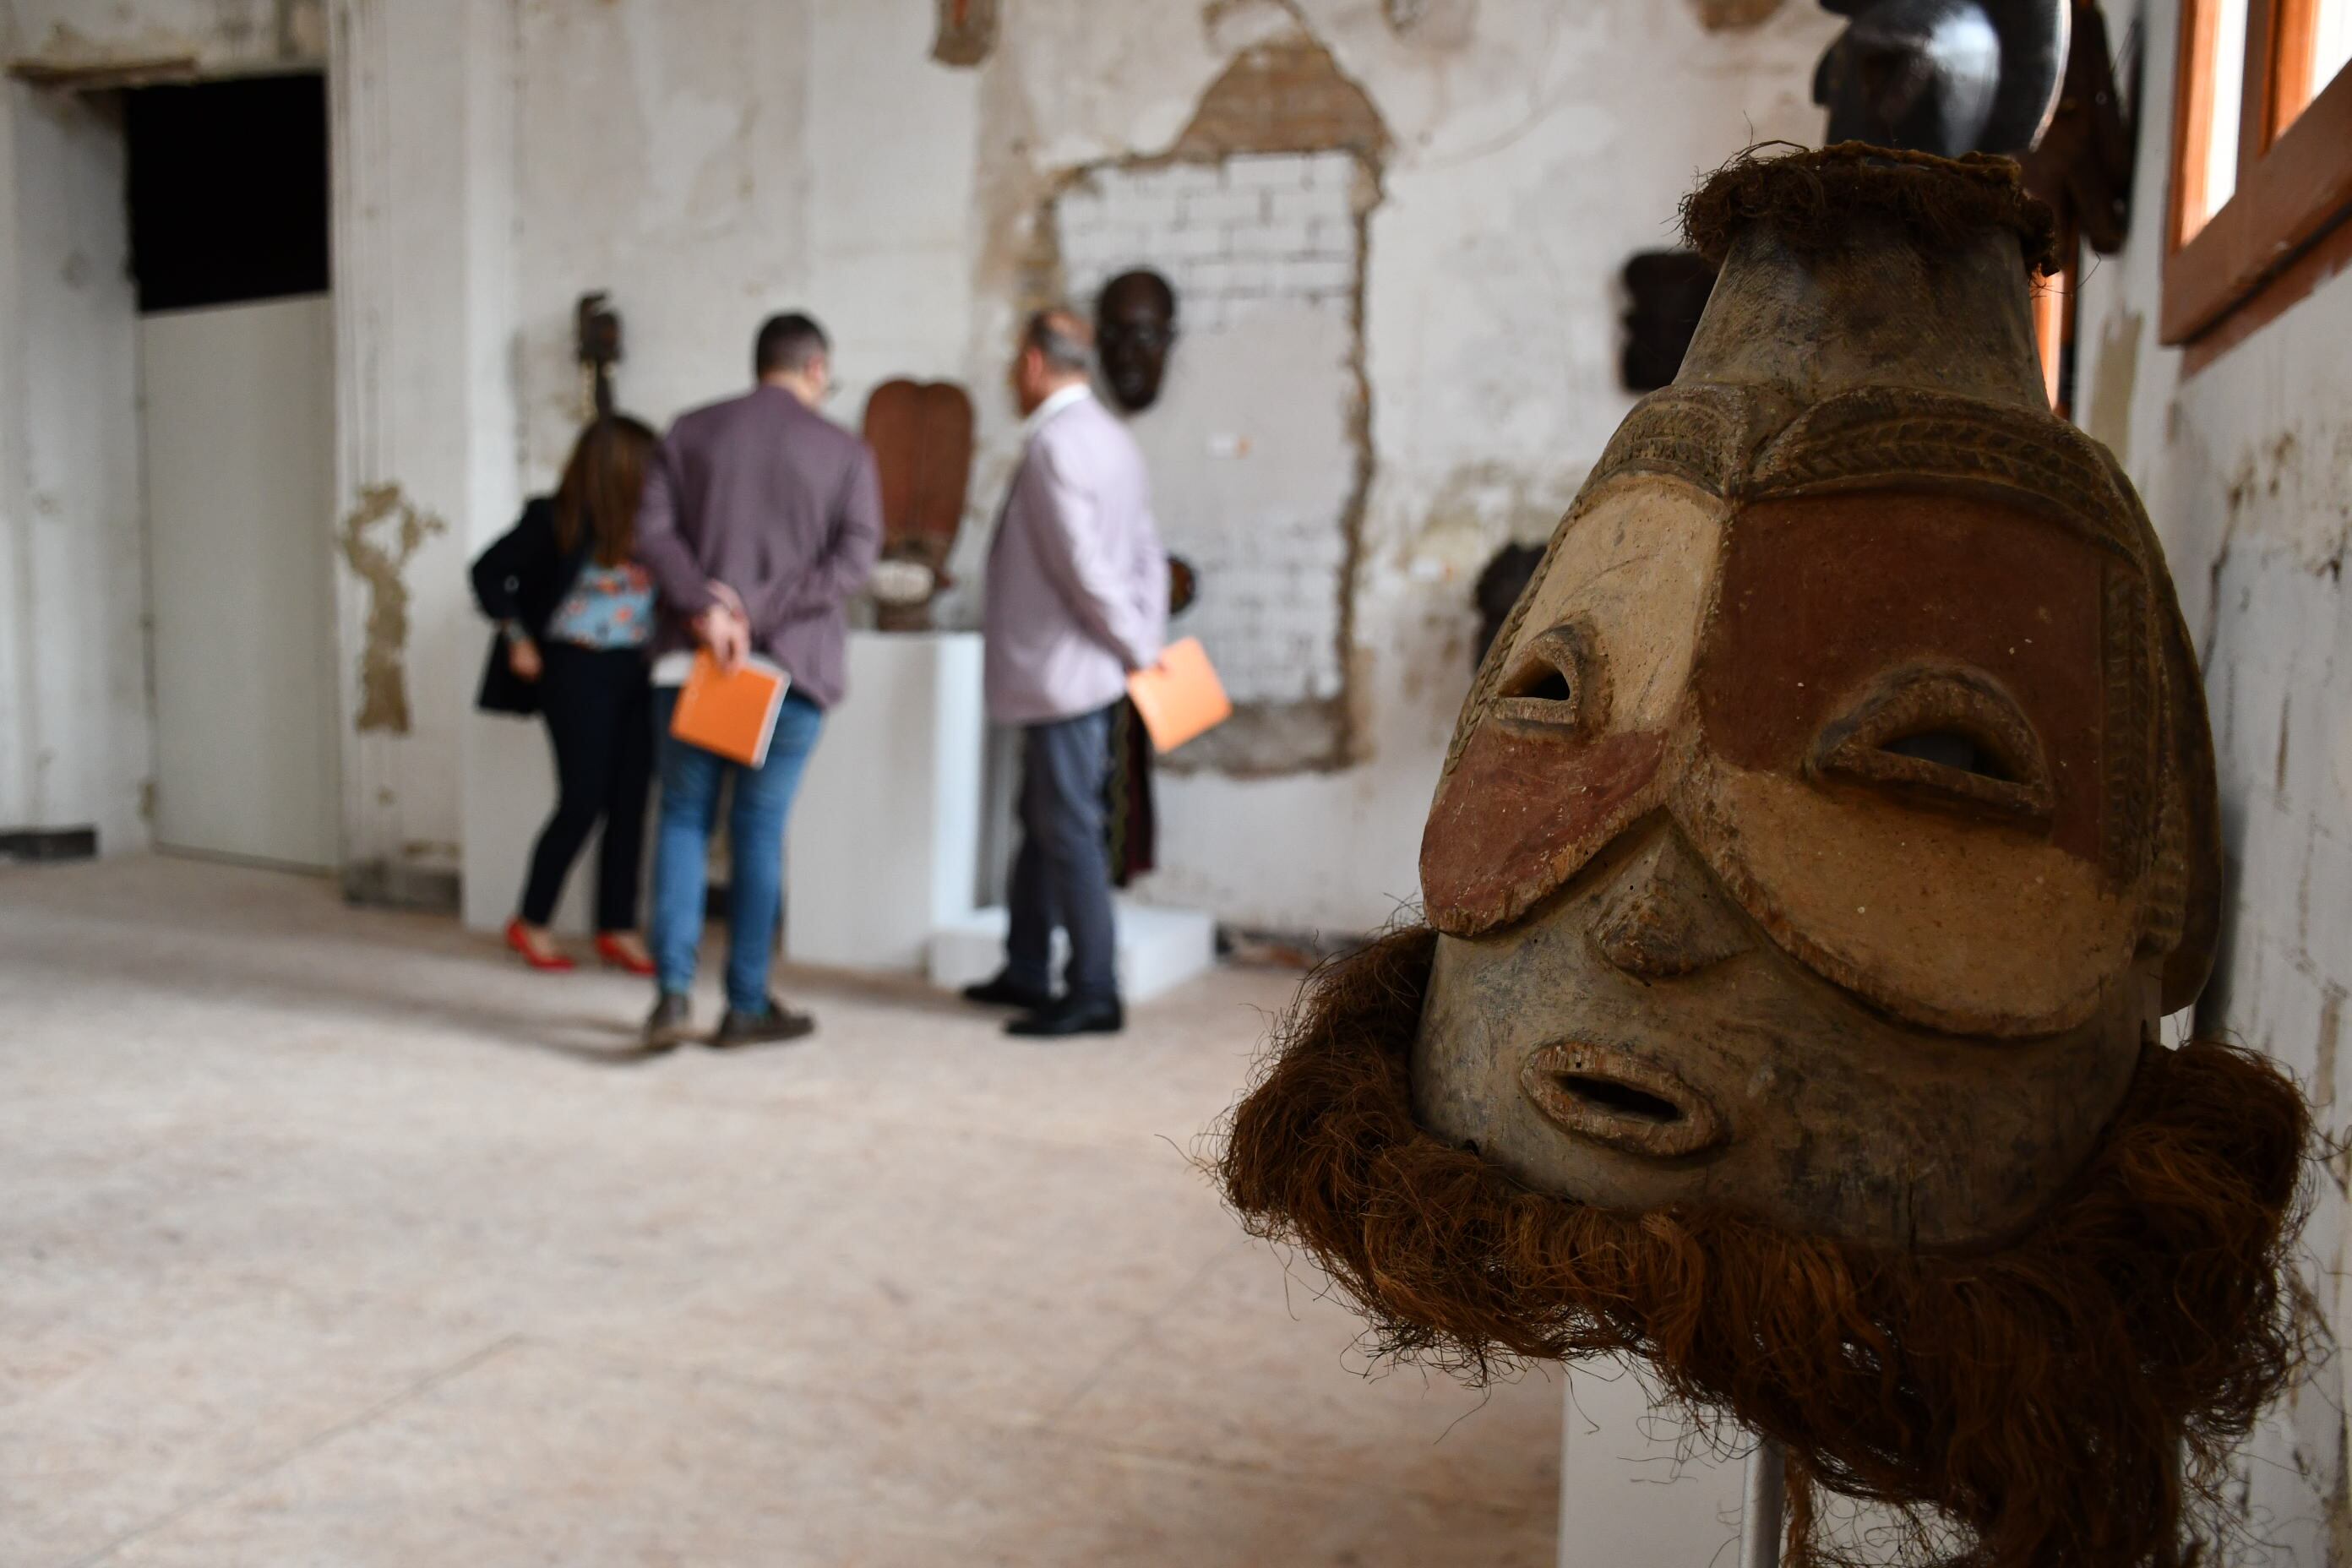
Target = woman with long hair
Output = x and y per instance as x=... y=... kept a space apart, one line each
x=575 y=614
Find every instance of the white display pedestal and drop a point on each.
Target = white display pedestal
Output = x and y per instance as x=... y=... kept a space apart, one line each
x=885 y=840
x=1628 y=1494
x=1159 y=948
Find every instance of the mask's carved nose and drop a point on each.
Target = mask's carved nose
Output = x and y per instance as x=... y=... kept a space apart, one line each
x=1662 y=916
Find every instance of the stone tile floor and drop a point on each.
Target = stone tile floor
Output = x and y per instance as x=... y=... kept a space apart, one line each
x=330 y=1237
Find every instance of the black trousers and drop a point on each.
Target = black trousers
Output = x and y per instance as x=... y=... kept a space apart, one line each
x=1061 y=876
x=598 y=703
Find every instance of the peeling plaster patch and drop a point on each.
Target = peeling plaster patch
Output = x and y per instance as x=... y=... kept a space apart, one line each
x=2114 y=377
x=378 y=556
x=1724 y=15
x=967 y=32
x=1289 y=96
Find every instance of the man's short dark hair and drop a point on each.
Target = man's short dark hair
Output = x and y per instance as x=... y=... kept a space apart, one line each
x=1064 y=338
x=789 y=344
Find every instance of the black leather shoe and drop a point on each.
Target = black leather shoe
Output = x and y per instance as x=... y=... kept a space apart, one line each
x=1071 y=1015
x=671 y=1023
x=773 y=1028
x=1006 y=992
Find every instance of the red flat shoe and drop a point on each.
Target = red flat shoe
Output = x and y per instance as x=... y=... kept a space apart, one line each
x=520 y=939
x=620 y=957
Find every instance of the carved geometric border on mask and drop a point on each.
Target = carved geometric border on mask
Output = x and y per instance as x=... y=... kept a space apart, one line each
x=1880 y=436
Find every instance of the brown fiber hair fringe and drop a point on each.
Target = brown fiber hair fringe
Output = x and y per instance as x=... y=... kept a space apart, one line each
x=2064 y=1401
x=1810 y=199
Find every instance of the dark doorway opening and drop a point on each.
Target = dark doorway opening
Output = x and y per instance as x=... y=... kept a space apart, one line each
x=228 y=190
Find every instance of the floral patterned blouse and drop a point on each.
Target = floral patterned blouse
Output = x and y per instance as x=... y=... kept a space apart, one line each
x=608 y=608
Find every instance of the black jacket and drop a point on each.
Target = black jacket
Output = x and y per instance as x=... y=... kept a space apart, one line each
x=523 y=578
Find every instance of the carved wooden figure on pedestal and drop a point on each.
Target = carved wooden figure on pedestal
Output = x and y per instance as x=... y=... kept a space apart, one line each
x=922 y=433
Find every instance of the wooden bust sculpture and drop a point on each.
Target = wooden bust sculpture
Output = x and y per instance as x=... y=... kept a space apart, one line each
x=1824 y=837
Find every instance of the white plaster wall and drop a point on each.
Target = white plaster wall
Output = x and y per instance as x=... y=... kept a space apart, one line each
x=76 y=742
x=713 y=162
x=722 y=159
x=2246 y=467
x=424 y=104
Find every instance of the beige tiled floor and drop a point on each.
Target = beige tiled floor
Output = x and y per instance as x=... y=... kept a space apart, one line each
x=328 y=1237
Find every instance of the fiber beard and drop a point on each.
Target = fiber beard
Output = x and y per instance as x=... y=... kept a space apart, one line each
x=2066 y=1402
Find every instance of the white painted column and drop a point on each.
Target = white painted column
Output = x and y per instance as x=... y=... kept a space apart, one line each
x=424 y=111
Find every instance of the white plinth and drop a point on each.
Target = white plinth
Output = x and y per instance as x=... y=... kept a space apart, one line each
x=1159 y=948
x=884 y=841
x=1632 y=1491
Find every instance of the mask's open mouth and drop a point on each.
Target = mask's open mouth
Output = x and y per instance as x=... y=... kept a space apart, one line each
x=1612 y=1098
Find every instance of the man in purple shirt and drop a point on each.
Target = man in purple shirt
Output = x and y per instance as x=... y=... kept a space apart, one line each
x=1078 y=597
x=759 y=522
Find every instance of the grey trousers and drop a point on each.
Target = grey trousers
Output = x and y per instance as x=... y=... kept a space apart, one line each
x=1062 y=875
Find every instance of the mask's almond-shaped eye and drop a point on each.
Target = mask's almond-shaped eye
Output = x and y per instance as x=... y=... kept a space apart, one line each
x=1945 y=738
x=1554 y=683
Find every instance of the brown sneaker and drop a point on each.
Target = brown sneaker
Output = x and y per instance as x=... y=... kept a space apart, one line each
x=773 y=1028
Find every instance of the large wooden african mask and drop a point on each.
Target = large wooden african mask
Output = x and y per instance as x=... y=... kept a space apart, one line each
x=1823 y=840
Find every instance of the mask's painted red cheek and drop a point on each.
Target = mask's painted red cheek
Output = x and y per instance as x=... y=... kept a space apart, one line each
x=1521 y=813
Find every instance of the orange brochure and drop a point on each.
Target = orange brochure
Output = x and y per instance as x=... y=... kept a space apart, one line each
x=1180 y=697
x=733 y=715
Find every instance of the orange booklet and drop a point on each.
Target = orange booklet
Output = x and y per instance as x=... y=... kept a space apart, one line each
x=1180 y=697
x=733 y=715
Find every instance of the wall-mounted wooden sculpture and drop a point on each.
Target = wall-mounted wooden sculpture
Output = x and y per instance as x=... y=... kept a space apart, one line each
x=1823 y=842
x=1666 y=290
x=967 y=32
x=922 y=433
x=597 y=340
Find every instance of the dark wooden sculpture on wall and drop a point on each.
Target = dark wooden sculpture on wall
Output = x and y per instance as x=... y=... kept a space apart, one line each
x=1667 y=291
x=1500 y=583
x=967 y=32
x=1827 y=833
x=922 y=433
x=1135 y=329
x=596 y=337
x=2084 y=164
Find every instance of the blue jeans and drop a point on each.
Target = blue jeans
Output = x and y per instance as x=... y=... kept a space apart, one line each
x=690 y=779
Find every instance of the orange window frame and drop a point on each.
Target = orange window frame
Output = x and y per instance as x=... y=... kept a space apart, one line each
x=2283 y=228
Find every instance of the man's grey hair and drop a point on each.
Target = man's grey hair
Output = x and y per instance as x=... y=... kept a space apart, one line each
x=1064 y=338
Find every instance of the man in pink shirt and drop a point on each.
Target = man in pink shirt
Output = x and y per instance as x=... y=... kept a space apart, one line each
x=1078 y=597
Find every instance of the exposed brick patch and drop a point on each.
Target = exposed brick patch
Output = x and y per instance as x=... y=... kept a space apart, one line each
x=1259 y=207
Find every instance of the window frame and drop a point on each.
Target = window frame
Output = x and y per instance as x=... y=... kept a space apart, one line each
x=2294 y=184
